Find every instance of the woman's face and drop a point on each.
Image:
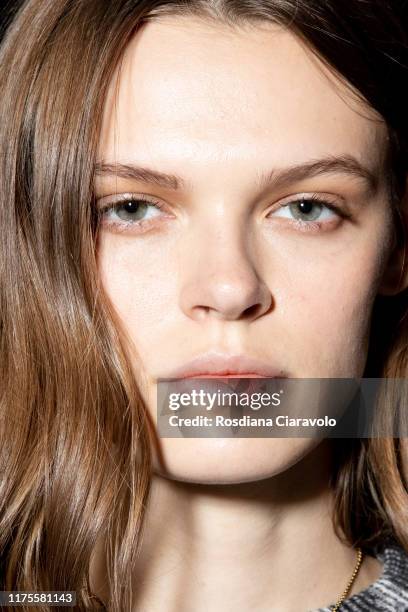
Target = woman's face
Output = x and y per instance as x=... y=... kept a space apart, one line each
x=272 y=241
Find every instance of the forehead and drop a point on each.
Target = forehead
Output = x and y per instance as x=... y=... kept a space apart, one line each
x=189 y=90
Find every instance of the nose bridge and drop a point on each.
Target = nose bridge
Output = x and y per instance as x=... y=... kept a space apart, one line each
x=228 y=250
x=220 y=277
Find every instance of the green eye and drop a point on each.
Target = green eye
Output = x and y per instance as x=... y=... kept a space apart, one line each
x=306 y=210
x=132 y=210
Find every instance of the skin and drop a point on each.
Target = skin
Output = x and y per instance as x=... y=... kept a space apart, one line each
x=224 y=265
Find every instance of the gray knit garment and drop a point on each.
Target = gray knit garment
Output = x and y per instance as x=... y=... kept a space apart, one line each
x=390 y=592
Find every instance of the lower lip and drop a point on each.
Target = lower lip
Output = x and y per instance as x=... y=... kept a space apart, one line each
x=243 y=375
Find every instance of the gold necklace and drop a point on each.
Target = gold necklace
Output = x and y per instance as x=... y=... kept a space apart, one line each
x=350 y=582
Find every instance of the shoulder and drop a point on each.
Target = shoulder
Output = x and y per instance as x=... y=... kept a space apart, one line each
x=390 y=592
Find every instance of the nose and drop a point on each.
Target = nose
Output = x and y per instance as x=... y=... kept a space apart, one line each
x=220 y=280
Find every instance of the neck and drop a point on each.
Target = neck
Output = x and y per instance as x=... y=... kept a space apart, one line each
x=264 y=545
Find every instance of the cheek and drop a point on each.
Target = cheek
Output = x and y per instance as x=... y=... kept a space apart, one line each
x=328 y=304
x=142 y=285
x=334 y=341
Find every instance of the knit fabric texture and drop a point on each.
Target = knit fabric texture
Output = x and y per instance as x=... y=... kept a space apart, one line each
x=387 y=594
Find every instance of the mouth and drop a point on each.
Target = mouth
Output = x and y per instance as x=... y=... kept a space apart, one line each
x=221 y=365
x=227 y=375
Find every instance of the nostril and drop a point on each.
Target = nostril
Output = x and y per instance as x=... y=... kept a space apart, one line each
x=225 y=294
x=253 y=311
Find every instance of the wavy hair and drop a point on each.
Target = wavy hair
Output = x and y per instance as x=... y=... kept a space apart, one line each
x=67 y=391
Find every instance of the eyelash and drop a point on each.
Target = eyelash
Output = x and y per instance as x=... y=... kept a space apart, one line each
x=124 y=226
x=121 y=225
x=325 y=202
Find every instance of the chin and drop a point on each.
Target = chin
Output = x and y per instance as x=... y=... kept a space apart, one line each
x=228 y=460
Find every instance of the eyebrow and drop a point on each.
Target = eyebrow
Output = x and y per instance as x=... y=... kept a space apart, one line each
x=141 y=174
x=278 y=178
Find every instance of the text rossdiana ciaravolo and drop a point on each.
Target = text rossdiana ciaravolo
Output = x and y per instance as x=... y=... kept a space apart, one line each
x=248 y=421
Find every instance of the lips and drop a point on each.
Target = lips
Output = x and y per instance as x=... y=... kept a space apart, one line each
x=216 y=365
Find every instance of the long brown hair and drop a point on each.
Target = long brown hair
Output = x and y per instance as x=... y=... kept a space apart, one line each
x=67 y=390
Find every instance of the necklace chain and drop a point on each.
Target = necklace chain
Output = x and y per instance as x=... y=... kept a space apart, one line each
x=350 y=582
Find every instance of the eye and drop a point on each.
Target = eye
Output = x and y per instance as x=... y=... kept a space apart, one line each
x=308 y=209
x=128 y=211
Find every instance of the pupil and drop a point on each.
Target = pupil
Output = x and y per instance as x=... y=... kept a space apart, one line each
x=306 y=206
x=131 y=206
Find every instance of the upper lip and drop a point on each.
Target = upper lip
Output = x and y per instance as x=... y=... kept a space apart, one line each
x=221 y=364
